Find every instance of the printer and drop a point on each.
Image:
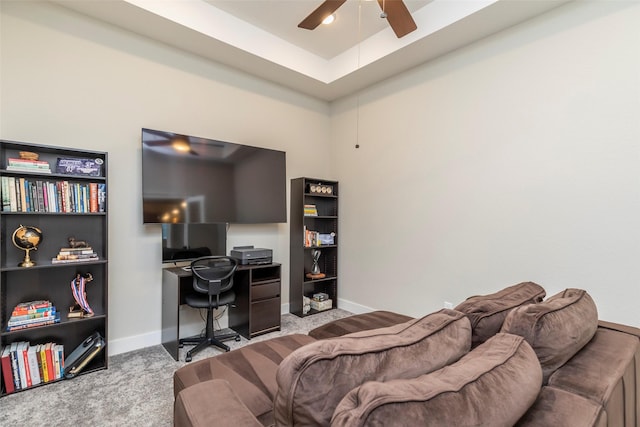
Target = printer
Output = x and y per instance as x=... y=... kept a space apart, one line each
x=250 y=255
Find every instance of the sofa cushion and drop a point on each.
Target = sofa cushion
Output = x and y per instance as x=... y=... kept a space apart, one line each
x=251 y=371
x=555 y=407
x=487 y=312
x=357 y=323
x=313 y=379
x=208 y=403
x=493 y=385
x=556 y=328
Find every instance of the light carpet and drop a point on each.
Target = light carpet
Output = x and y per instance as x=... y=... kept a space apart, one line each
x=136 y=390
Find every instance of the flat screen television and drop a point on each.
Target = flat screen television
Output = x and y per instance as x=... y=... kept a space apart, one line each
x=191 y=180
x=186 y=242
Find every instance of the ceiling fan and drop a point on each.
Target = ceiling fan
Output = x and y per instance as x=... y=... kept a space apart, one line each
x=395 y=11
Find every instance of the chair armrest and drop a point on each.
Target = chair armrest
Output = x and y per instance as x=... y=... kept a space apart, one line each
x=211 y=402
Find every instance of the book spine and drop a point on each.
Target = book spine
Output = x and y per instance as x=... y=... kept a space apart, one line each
x=93 y=197
x=6 y=201
x=23 y=365
x=37 y=315
x=102 y=197
x=15 y=367
x=32 y=358
x=12 y=195
x=50 y=365
x=43 y=363
x=23 y=195
x=7 y=371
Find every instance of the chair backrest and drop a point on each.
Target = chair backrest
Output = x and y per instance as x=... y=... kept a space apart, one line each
x=213 y=275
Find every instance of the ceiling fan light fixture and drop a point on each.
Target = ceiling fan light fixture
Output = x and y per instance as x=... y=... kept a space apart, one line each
x=181 y=144
x=329 y=19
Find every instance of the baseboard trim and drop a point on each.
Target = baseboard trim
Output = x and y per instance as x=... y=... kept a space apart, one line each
x=353 y=307
x=136 y=342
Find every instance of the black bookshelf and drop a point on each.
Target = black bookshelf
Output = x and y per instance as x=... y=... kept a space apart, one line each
x=322 y=194
x=47 y=280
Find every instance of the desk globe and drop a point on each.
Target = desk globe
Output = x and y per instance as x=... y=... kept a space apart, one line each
x=27 y=238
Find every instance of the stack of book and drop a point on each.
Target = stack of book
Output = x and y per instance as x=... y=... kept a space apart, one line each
x=25 y=365
x=28 y=165
x=310 y=210
x=70 y=255
x=31 y=314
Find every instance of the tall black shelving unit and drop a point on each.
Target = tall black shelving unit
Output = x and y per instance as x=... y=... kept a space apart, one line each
x=47 y=280
x=323 y=195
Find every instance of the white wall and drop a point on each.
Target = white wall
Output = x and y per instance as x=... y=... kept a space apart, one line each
x=516 y=158
x=67 y=80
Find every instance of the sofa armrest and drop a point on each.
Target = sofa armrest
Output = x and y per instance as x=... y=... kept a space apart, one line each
x=210 y=403
x=619 y=327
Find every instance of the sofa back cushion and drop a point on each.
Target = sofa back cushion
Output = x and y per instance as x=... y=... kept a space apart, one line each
x=556 y=328
x=487 y=312
x=492 y=385
x=314 y=378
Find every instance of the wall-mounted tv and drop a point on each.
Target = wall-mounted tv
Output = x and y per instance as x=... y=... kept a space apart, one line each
x=190 y=180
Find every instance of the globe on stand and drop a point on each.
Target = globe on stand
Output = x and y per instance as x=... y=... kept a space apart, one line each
x=27 y=238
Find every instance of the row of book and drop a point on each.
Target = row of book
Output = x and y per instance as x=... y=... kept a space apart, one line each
x=314 y=238
x=28 y=165
x=28 y=195
x=25 y=365
x=70 y=255
x=32 y=314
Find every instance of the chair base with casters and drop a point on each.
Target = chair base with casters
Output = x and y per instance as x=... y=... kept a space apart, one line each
x=210 y=338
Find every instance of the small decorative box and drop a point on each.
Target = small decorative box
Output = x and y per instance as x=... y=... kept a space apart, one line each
x=321 y=305
x=77 y=166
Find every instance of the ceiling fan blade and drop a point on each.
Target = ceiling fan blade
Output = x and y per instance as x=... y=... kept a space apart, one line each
x=398 y=16
x=317 y=16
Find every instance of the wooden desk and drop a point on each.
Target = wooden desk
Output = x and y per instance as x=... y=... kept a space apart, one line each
x=257 y=306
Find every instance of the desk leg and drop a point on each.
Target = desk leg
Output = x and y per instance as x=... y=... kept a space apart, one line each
x=170 y=313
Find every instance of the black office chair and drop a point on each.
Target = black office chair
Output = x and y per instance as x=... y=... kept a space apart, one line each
x=213 y=283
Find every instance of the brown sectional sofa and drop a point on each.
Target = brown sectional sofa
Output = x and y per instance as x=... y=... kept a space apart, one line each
x=508 y=358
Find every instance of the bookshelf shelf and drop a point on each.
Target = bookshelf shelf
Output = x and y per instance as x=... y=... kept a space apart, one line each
x=301 y=250
x=83 y=216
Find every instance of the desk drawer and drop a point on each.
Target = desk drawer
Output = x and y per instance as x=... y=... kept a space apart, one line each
x=265 y=291
x=265 y=316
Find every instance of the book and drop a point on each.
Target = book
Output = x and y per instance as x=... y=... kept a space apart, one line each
x=7 y=371
x=102 y=197
x=49 y=360
x=33 y=320
x=15 y=368
x=30 y=305
x=93 y=197
x=6 y=201
x=23 y=365
x=38 y=315
x=32 y=359
x=59 y=360
x=43 y=362
x=25 y=312
x=49 y=321
x=12 y=161
x=70 y=261
x=69 y=251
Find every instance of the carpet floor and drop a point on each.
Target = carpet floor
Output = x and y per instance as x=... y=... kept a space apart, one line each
x=136 y=390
